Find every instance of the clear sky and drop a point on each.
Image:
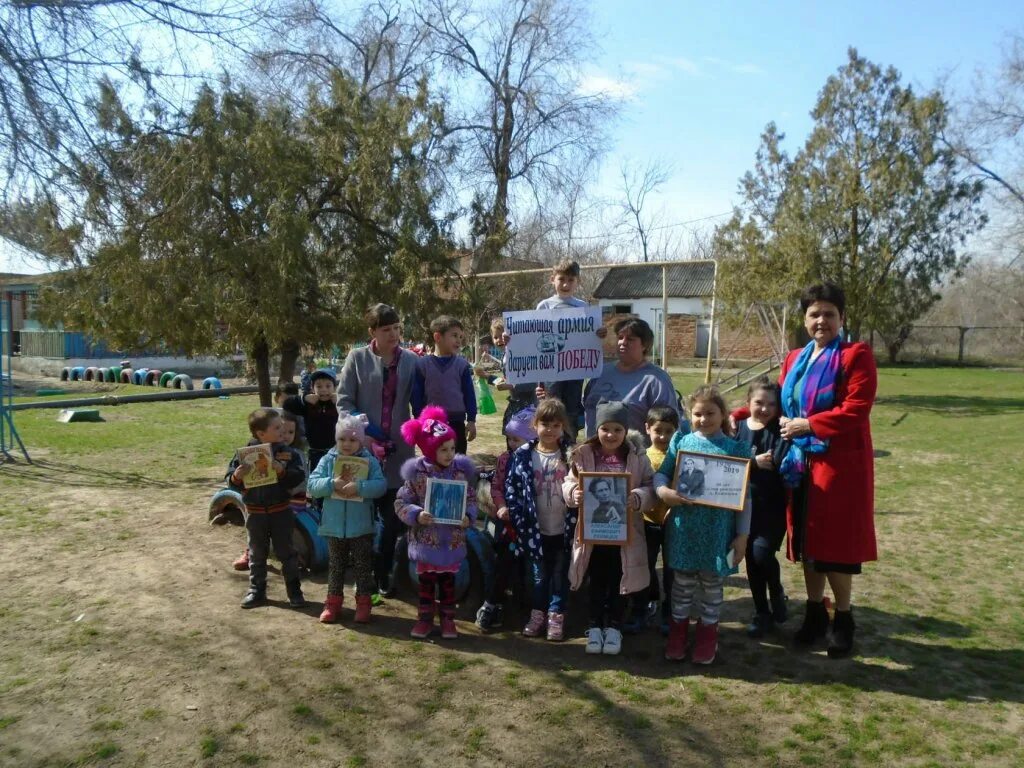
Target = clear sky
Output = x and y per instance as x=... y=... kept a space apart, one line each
x=701 y=79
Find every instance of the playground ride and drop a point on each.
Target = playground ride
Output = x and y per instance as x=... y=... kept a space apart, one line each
x=125 y=374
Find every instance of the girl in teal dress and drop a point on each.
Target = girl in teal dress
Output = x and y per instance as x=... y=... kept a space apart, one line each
x=699 y=539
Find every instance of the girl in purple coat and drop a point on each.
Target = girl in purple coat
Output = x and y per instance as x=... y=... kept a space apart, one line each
x=437 y=549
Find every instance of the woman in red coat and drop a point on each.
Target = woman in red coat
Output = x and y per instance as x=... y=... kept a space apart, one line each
x=828 y=388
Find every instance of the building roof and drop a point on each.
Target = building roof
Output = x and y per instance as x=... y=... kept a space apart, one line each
x=685 y=279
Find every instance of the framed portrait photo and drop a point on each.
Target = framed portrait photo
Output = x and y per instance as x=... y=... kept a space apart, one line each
x=712 y=480
x=446 y=500
x=604 y=513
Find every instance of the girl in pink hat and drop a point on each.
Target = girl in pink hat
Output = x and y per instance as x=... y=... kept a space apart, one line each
x=437 y=549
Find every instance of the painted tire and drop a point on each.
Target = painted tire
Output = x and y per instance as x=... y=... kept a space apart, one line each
x=182 y=381
x=77 y=374
x=211 y=382
x=165 y=378
x=139 y=376
x=65 y=374
x=310 y=546
x=127 y=375
x=114 y=373
x=92 y=373
x=152 y=378
x=227 y=506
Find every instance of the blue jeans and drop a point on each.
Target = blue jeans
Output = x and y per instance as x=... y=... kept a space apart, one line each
x=550 y=576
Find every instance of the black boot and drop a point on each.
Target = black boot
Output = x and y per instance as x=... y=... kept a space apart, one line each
x=254 y=597
x=840 y=640
x=780 y=604
x=815 y=625
x=295 y=598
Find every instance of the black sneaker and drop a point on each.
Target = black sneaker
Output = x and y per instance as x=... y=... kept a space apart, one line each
x=254 y=597
x=490 y=617
x=760 y=625
x=295 y=597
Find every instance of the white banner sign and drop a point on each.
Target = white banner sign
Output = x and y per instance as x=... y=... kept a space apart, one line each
x=553 y=345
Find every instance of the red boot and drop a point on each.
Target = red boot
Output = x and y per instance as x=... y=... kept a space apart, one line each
x=332 y=609
x=678 y=635
x=363 y=606
x=242 y=563
x=423 y=626
x=706 y=646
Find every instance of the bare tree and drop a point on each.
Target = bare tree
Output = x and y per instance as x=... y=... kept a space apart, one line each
x=989 y=135
x=512 y=69
x=637 y=185
x=53 y=53
x=384 y=48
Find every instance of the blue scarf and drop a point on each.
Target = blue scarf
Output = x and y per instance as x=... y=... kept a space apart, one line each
x=809 y=388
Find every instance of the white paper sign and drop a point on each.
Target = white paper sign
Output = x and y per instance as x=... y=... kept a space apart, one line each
x=553 y=345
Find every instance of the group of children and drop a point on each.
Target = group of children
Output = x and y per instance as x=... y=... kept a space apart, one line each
x=537 y=494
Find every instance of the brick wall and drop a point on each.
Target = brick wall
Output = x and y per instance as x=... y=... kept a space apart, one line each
x=748 y=344
x=682 y=340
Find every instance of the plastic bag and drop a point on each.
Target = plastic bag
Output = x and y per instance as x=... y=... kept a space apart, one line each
x=484 y=400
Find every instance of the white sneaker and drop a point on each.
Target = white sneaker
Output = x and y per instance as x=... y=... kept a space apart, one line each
x=612 y=642
x=595 y=640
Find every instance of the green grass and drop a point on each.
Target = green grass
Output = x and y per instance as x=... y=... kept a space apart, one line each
x=938 y=680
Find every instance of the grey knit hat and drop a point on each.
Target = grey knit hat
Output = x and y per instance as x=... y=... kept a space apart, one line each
x=612 y=411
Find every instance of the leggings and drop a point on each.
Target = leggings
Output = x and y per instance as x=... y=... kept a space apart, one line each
x=433 y=584
x=607 y=606
x=361 y=549
x=685 y=586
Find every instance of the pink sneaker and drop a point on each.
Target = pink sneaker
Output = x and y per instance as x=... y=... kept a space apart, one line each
x=242 y=563
x=556 y=627
x=535 y=626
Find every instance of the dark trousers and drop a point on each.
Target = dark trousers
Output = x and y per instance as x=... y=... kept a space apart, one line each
x=262 y=529
x=390 y=527
x=314 y=455
x=505 y=568
x=571 y=395
x=440 y=586
x=607 y=606
x=550 y=576
x=457 y=421
x=361 y=549
x=655 y=536
x=763 y=572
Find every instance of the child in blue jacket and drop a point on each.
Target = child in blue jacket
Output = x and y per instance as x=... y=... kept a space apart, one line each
x=347 y=519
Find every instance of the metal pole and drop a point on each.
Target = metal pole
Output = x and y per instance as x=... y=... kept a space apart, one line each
x=664 y=316
x=711 y=328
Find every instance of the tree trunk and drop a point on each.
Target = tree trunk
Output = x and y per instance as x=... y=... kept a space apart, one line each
x=261 y=362
x=290 y=352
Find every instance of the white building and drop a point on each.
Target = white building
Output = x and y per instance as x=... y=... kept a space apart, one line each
x=636 y=289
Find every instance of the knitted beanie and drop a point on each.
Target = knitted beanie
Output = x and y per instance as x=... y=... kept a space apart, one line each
x=351 y=425
x=521 y=424
x=612 y=411
x=429 y=432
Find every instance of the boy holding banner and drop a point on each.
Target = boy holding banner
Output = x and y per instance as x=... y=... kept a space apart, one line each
x=566 y=279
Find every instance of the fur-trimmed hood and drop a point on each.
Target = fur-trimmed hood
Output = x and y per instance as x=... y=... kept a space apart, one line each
x=418 y=464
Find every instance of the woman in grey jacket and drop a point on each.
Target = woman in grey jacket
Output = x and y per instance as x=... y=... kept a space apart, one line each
x=376 y=380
